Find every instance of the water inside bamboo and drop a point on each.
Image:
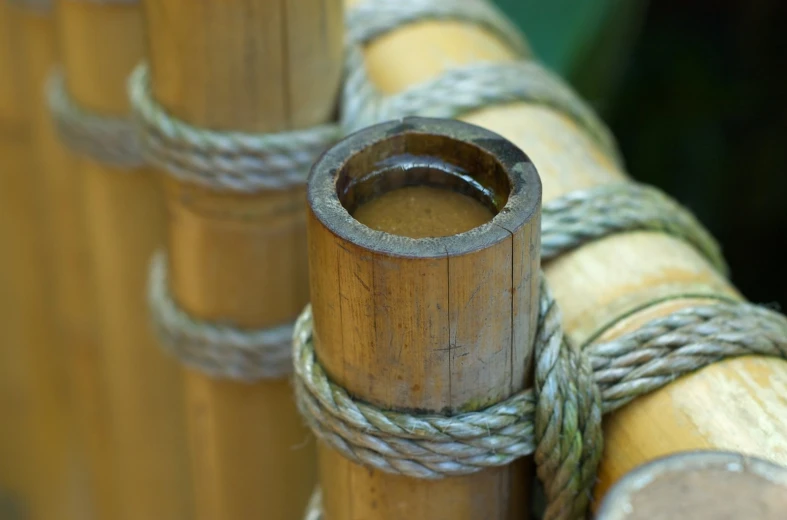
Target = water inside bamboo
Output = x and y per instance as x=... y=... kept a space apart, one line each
x=423 y=211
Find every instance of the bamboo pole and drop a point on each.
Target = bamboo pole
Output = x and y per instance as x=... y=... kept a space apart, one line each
x=15 y=398
x=61 y=487
x=735 y=404
x=439 y=326
x=251 y=66
x=73 y=298
x=126 y=223
x=704 y=485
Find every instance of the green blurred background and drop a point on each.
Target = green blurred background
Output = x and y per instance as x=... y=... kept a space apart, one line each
x=693 y=91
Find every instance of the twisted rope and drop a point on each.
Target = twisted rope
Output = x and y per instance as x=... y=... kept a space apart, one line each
x=461 y=90
x=106 y=139
x=369 y=20
x=558 y=420
x=235 y=161
x=218 y=349
x=584 y=215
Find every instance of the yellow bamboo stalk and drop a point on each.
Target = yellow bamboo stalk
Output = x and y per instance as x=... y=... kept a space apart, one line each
x=15 y=399
x=255 y=66
x=60 y=484
x=68 y=262
x=126 y=223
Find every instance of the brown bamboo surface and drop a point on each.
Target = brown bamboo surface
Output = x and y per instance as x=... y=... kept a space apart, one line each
x=703 y=485
x=15 y=399
x=737 y=404
x=75 y=309
x=125 y=217
x=61 y=435
x=453 y=331
x=261 y=67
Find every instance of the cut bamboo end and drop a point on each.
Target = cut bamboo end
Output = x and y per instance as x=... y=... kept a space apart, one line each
x=700 y=485
x=427 y=325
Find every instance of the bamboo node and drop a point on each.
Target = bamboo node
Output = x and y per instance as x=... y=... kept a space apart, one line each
x=107 y=139
x=220 y=350
x=223 y=160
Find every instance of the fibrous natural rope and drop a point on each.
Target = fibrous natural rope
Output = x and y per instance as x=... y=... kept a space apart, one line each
x=558 y=420
x=224 y=160
x=583 y=215
x=370 y=20
x=107 y=139
x=221 y=350
x=463 y=89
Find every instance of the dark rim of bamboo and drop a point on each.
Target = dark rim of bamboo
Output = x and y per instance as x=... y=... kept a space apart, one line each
x=417 y=151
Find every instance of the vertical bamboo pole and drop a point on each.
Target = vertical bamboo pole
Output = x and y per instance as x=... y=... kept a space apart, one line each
x=74 y=307
x=605 y=287
x=703 y=485
x=440 y=325
x=15 y=402
x=254 y=66
x=61 y=489
x=101 y=42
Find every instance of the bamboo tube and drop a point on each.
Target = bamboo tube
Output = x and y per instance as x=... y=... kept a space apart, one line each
x=61 y=490
x=704 y=485
x=126 y=224
x=15 y=398
x=736 y=404
x=249 y=66
x=73 y=299
x=439 y=325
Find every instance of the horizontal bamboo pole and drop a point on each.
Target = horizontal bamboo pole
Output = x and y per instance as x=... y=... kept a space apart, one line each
x=438 y=326
x=237 y=258
x=703 y=485
x=101 y=43
x=730 y=405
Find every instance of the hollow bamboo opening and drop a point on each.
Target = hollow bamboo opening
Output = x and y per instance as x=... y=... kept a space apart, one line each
x=439 y=324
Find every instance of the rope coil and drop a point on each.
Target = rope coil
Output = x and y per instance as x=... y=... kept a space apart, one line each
x=107 y=139
x=220 y=350
x=461 y=90
x=584 y=215
x=558 y=420
x=233 y=161
x=368 y=20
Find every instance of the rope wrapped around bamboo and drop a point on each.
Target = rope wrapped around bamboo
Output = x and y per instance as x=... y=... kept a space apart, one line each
x=224 y=161
x=560 y=418
x=106 y=139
